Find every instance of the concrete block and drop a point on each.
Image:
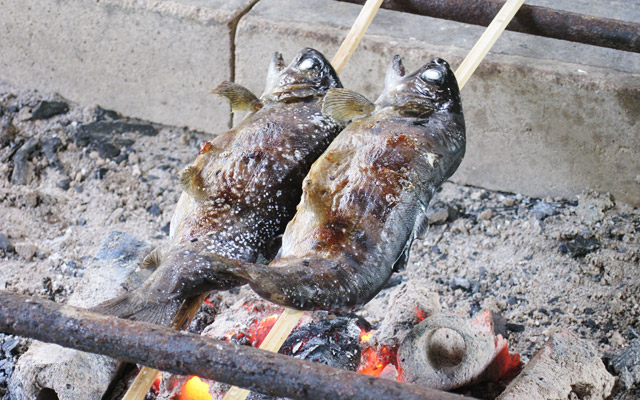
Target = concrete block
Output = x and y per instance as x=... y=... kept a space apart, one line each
x=544 y=116
x=155 y=60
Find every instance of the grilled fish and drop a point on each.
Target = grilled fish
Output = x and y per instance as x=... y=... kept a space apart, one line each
x=242 y=188
x=364 y=200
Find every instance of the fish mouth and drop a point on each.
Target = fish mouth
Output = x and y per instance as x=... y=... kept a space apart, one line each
x=293 y=87
x=295 y=90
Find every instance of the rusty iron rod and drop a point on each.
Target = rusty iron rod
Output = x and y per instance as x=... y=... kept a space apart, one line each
x=534 y=20
x=189 y=354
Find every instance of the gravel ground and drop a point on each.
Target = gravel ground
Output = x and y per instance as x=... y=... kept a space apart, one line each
x=540 y=264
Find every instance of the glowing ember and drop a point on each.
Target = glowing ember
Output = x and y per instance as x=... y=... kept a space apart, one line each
x=156 y=384
x=195 y=389
x=420 y=314
x=260 y=330
x=365 y=336
x=373 y=360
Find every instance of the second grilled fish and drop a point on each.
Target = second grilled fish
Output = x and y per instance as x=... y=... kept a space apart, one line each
x=364 y=200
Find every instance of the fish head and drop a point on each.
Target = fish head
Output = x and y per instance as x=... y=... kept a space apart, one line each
x=432 y=87
x=307 y=76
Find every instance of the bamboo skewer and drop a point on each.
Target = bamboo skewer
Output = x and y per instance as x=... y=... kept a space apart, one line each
x=287 y=321
x=486 y=41
x=354 y=36
x=146 y=376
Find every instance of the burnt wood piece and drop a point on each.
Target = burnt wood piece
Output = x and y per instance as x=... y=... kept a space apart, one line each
x=533 y=20
x=189 y=354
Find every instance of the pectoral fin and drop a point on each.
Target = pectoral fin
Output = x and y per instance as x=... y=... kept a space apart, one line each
x=241 y=98
x=152 y=260
x=422 y=223
x=191 y=182
x=401 y=261
x=344 y=105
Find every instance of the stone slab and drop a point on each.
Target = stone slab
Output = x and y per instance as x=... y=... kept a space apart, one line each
x=49 y=371
x=155 y=60
x=544 y=116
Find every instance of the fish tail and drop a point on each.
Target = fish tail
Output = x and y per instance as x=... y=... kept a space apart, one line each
x=315 y=283
x=137 y=306
x=184 y=274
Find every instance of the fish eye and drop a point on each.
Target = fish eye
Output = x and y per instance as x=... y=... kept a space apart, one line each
x=307 y=64
x=432 y=75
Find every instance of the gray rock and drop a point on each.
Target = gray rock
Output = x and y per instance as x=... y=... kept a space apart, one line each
x=121 y=247
x=66 y=374
x=461 y=283
x=542 y=210
x=566 y=367
x=5 y=245
x=26 y=250
x=592 y=205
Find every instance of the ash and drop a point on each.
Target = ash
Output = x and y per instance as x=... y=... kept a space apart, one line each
x=540 y=264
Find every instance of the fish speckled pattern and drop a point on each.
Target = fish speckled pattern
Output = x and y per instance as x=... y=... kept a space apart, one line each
x=365 y=198
x=242 y=188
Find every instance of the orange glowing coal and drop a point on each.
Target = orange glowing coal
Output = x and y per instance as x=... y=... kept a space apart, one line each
x=374 y=361
x=195 y=389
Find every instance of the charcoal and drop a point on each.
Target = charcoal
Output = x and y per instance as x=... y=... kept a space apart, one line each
x=20 y=175
x=626 y=364
x=101 y=114
x=48 y=109
x=154 y=210
x=64 y=184
x=579 y=246
x=50 y=148
x=106 y=137
x=517 y=328
x=100 y=173
x=334 y=342
x=7 y=131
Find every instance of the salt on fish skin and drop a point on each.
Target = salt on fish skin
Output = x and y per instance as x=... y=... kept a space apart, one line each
x=241 y=190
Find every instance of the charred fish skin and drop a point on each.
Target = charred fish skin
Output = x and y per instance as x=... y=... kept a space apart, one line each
x=241 y=190
x=364 y=200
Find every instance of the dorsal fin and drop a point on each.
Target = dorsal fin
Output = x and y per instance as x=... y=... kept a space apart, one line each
x=191 y=182
x=153 y=259
x=240 y=97
x=343 y=105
